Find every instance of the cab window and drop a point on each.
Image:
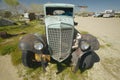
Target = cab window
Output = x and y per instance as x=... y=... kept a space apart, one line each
x=59 y=11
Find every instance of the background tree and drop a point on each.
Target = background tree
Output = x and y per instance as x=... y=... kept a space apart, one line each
x=13 y=4
x=36 y=8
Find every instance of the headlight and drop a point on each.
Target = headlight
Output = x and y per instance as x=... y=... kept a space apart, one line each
x=84 y=45
x=38 y=46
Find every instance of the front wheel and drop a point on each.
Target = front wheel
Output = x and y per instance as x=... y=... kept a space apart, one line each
x=87 y=61
x=28 y=59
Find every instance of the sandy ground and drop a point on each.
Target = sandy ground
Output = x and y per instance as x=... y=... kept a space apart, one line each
x=107 y=30
x=7 y=70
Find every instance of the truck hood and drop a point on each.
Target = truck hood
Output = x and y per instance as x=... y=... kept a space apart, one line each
x=49 y=20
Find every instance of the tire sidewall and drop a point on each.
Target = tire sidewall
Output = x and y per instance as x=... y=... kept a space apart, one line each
x=28 y=59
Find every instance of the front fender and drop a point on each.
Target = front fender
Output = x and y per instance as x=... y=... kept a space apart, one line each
x=94 y=43
x=27 y=42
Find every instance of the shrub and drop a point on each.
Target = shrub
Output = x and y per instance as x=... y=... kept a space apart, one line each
x=16 y=57
x=84 y=32
x=7 y=14
x=7 y=49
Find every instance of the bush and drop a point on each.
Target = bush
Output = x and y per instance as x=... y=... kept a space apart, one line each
x=1 y=40
x=13 y=50
x=84 y=32
x=7 y=14
x=7 y=49
x=32 y=16
x=16 y=57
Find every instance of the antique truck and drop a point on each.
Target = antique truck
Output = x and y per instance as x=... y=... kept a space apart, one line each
x=60 y=41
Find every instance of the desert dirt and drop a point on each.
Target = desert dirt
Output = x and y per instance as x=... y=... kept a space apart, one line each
x=7 y=70
x=107 y=30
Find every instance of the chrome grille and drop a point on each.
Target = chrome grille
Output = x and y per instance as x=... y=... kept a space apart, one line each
x=60 y=41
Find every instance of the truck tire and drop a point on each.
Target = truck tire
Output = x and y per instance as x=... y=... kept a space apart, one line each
x=87 y=61
x=28 y=59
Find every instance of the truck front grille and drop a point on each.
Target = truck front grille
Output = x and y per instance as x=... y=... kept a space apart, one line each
x=60 y=41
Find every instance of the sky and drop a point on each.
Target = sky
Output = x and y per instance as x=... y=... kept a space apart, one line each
x=93 y=5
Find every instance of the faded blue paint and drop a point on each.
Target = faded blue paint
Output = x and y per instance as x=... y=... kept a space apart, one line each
x=59 y=19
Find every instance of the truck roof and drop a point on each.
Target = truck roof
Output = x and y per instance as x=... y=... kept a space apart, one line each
x=58 y=5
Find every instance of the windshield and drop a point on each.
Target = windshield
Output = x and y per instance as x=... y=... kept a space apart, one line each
x=59 y=11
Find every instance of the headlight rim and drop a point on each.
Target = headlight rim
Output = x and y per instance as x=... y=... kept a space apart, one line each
x=83 y=45
x=38 y=45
